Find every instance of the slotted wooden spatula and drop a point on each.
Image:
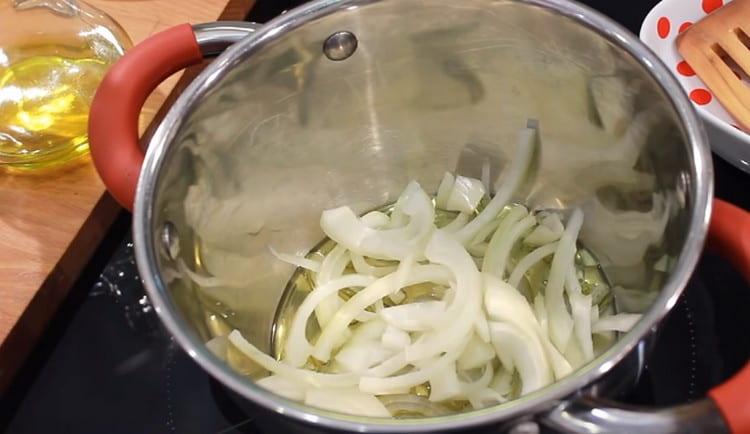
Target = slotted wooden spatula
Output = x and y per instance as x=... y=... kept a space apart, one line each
x=718 y=49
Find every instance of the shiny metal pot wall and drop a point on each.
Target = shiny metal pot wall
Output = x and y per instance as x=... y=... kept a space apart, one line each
x=344 y=102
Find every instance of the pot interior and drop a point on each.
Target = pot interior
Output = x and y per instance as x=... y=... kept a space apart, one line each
x=283 y=133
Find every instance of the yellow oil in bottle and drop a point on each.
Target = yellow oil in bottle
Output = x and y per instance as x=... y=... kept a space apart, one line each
x=44 y=103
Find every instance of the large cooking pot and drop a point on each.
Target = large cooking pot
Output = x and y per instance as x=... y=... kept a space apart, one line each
x=343 y=102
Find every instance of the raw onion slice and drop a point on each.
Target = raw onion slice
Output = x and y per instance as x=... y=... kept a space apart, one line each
x=297 y=261
x=466 y=306
x=560 y=321
x=297 y=348
x=527 y=355
x=267 y=362
x=528 y=144
x=621 y=322
x=367 y=296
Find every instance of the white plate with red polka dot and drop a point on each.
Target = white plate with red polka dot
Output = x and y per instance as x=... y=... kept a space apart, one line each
x=659 y=31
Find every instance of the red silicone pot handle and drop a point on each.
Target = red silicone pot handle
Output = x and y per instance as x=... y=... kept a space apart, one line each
x=729 y=234
x=113 y=119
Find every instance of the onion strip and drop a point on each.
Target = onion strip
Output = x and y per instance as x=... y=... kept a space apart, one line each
x=528 y=261
x=297 y=348
x=528 y=144
x=297 y=261
x=501 y=244
x=367 y=296
x=267 y=362
x=560 y=321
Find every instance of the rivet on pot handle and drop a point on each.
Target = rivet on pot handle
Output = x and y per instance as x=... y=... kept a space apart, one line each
x=113 y=119
x=727 y=408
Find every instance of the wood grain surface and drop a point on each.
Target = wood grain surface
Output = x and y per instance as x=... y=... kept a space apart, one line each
x=51 y=222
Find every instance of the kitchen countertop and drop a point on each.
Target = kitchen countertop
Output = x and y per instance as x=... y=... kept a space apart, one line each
x=51 y=222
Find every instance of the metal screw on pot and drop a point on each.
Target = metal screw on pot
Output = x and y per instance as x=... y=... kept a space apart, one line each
x=340 y=45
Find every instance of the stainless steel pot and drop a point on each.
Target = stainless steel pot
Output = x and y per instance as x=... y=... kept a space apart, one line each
x=342 y=102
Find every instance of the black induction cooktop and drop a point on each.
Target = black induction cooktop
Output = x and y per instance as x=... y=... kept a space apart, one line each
x=106 y=365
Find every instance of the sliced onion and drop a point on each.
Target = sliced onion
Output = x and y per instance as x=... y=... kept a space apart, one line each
x=501 y=382
x=350 y=401
x=528 y=144
x=501 y=243
x=478 y=250
x=560 y=365
x=267 y=362
x=348 y=230
x=540 y=311
x=485 y=232
x=205 y=281
x=449 y=342
x=466 y=306
x=560 y=321
x=361 y=266
x=404 y=269
x=369 y=295
x=389 y=367
x=331 y=268
x=444 y=190
x=297 y=261
x=476 y=354
x=622 y=322
x=218 y=346
x=359 y=357
x=444 y=384
x=457 y=223
x=504 y=303
x=550 y=229
x=395 y=338
x=482 y=328
x=284 y=386
x=512 y=217
x=297 y=348
x=410 y=405
x=528 y=356
x=465 y=195
x=397 y=383
x=420 y=316
x=480 y=383
x=376 y=219
x=528 y=261
x=574 y=355
x=484 y=398
x=581 y=306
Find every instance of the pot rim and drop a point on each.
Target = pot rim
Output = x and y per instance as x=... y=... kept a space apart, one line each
x=700 y=194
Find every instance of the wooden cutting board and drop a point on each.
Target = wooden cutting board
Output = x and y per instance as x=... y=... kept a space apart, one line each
x=51 y=223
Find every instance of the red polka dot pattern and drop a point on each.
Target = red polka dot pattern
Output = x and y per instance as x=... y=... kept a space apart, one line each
x=711 y=5
x=662 y=27
x=684 y=69
x=684 y=26
x=701 y=96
